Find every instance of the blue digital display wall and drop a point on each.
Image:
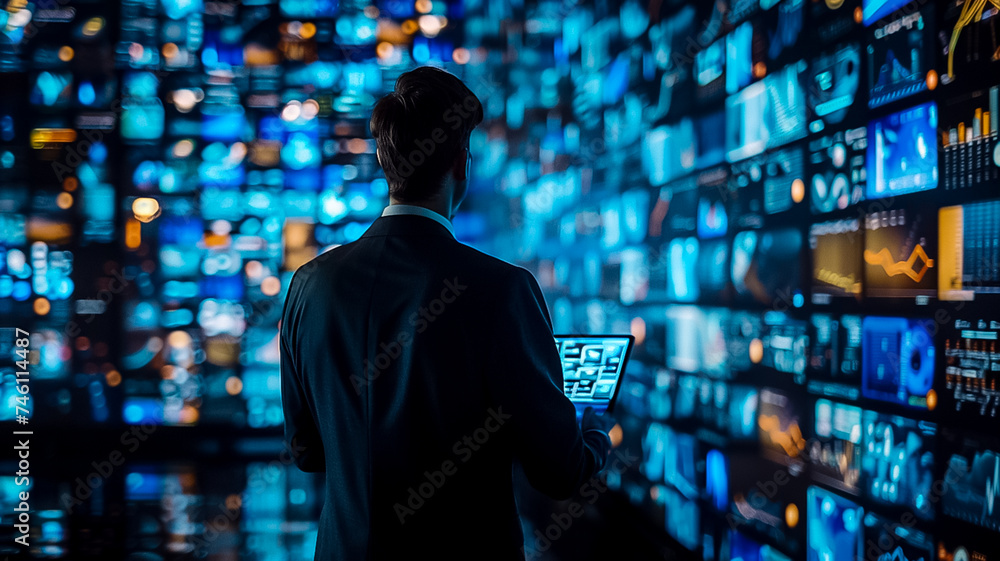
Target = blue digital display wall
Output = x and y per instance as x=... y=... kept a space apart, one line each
x=790 y=204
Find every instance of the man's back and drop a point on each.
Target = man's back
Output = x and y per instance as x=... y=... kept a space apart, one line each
x=414 y=369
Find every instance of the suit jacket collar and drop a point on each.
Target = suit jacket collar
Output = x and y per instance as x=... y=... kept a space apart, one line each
x=406 y=225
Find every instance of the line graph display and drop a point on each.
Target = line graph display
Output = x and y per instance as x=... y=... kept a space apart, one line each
x=900 y=55
x=973 y=473
x=900 y=254
x=886 y=540
x=918 y=257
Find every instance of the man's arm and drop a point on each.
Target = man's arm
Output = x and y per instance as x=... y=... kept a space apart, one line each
x=525 y=378
x=301 y=435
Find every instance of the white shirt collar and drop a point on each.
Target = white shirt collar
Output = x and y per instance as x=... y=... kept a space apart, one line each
x=392 y=210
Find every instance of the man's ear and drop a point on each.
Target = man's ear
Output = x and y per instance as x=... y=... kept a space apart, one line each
x=460 y=169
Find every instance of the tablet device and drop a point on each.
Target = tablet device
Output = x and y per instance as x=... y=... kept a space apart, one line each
x=592 y=368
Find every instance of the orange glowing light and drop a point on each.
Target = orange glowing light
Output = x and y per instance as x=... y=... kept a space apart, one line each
x=234 y=385
x=64 y=200
x=756 y=351
x=616 y=434
x=188 y=415
x=42 y=306
x=170 y=50
x=798 y=190
x=133 y=233
x=792 y=515
x=385 y=49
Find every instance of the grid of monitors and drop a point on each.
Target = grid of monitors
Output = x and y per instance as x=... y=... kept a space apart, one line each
x=165 y=166
x=791 y=204
x=816 y=315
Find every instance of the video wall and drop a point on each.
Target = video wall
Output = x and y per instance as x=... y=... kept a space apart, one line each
x=791 y=204
x=795 y=212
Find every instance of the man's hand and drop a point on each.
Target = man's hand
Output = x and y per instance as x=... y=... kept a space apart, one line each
x=595 y=421
x=596 y=433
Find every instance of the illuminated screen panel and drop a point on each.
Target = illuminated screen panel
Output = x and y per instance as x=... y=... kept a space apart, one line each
x=887 y=539
x=713 y=219
x=742 y=547
x=785 y=25
x=592 y=368
x=973 y=465
x=970 y=156
x=835 y=356
x=900 y=255
x=836 y=452
x=744 y=339
x=696 y=340
x=785 y=344
x=836 y=256
x=969 y=260
x=898 y=464
x=837 y=172
x=745 y=193
x=903 y=152
x=766 y=114
x=780 y=420
x=966 y=541
x=682 y=518
x=836 y=80
x=745 y=48
x=675 y=87
x=835 y=527
x=710 y=71
x=682 y=263
x=766 y=267
x=669 y=152
x=711 y=147
x=878 y=9
x=742 y=414
x=768 y=500
x=674 y=210
x=717 y=480
x=898 y=360
x=653 y=452
x=901 y=56
x=784 y=180
x=972 y=367
x=713 y=261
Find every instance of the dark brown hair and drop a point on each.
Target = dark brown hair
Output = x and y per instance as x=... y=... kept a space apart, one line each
x=420 y=127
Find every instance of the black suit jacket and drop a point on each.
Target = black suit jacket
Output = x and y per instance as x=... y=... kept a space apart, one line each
x=414 y=371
